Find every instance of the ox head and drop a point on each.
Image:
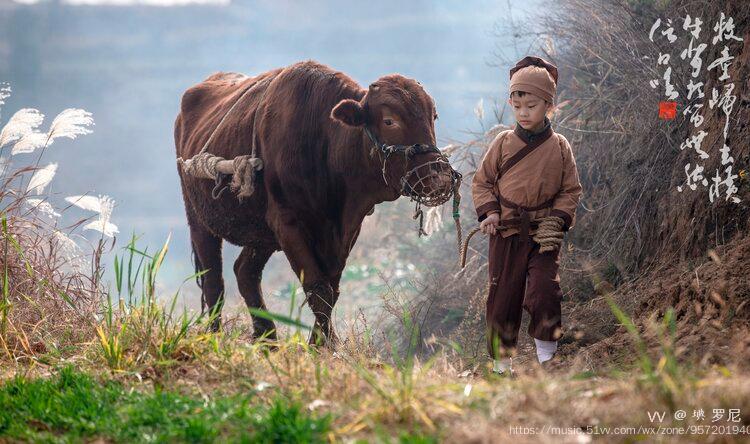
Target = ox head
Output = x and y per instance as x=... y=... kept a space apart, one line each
x=398 y=117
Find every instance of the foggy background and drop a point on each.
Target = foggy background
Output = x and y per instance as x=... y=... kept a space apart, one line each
x=130 y=62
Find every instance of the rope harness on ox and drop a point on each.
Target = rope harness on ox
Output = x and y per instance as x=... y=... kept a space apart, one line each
x=240 y=171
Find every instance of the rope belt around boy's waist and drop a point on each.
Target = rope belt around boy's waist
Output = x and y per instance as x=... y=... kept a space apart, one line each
x=523 y=220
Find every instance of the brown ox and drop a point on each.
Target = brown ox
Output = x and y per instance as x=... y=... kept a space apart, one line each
x=322 y=174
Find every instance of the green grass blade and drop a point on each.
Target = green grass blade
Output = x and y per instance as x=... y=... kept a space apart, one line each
x=279 y=318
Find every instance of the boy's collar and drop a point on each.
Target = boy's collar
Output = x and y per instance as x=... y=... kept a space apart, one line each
x=528 y=137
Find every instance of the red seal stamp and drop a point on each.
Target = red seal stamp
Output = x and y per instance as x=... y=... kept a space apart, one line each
x=667 y=110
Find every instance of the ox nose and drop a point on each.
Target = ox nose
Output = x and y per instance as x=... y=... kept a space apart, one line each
x=432 y=181
x=440 y=181
x=445 y=182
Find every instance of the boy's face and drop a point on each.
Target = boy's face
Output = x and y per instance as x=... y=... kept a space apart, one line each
x=529 y=110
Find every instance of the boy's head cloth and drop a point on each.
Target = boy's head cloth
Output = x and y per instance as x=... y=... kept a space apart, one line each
x=534 y=75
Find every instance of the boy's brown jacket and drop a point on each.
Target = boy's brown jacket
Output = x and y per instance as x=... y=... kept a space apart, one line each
x=546 y=172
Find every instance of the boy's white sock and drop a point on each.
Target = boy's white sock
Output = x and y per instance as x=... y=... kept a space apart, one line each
x=501 y=365
x=545 y=349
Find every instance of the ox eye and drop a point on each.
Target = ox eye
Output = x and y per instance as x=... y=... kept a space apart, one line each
x=388 y=122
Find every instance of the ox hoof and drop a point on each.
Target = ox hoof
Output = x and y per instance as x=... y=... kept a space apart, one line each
x=270 y=345
x=319 y=339
x=264 y=334
x=215 y=326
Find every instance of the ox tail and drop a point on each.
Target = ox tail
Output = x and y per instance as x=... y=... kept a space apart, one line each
x=199 y=278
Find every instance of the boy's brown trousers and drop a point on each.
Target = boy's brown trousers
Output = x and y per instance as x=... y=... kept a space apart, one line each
x=517 y=268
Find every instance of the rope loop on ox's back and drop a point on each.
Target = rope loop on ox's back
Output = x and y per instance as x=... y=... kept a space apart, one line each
x=241 y=171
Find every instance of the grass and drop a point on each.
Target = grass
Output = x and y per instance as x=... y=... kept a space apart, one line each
x=150 y=373
x=666 y=376
x=72 y=406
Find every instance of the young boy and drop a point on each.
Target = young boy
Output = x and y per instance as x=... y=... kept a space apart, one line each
x=527 y=173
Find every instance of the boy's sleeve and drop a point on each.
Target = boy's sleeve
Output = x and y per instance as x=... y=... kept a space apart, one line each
x=483 y=183
x=566 y=202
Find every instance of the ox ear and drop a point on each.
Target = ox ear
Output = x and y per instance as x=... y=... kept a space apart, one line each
x=349 y=112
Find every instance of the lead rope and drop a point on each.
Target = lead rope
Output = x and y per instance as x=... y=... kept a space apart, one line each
x=418 y=213
x=462 y=248
x=457 y=212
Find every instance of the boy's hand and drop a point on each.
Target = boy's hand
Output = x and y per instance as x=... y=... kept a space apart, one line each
x=490 y=223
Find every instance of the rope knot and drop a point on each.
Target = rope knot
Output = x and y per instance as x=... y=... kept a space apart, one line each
x=243 y=179
x=201 y=165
